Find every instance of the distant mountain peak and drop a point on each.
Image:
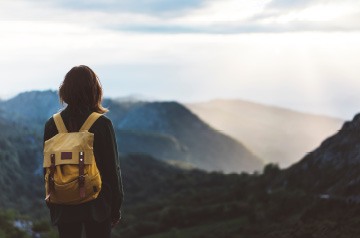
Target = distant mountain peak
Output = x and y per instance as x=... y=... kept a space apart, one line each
x=205 y=147
x=34 y=93
x=150 y=116
x=32 y=106
x=135 y=98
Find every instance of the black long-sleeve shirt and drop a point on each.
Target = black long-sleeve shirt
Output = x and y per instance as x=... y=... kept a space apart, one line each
x=108 y=203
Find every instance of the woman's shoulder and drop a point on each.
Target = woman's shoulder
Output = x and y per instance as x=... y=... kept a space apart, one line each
x=104 y=119
x=49 y=122
x=50 y=129
x=103 y=122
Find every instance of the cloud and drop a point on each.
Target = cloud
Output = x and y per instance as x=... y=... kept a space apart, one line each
x=151 y=7
x=287 y=69
x=257 y=16
x=288 y=4
x=194 y=16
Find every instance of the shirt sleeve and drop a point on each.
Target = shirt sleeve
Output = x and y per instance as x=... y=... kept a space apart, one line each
x=111 y=173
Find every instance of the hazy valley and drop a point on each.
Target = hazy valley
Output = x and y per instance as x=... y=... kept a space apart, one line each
x=277 y=135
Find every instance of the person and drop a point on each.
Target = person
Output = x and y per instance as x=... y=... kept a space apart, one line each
x=82 y=92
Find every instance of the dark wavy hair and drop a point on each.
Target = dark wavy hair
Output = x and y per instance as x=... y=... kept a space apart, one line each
x=81 y=90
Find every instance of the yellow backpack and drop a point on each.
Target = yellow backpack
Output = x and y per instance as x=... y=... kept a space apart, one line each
x=72 y=176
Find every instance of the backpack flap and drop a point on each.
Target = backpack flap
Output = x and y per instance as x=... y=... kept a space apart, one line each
x=66 y=148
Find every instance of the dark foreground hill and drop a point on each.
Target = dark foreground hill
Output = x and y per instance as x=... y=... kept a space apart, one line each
x=334 y=165
x=165 y=201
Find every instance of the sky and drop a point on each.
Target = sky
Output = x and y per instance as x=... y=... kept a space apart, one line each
x=298 y=54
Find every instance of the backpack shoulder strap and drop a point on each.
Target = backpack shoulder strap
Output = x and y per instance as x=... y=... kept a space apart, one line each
x=90 y=121
x=59 y=123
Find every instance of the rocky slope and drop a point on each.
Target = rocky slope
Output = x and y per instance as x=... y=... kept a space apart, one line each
x=332 y=169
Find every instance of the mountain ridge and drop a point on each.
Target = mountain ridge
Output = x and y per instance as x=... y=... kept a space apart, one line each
x=278 y=135
x=183 y=125
x=137 y=122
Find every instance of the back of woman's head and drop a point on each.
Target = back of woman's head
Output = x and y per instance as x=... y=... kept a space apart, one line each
x=81 y=90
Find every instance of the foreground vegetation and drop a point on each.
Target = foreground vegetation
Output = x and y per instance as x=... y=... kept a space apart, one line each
x=199 y=204
x=163 y=201
x=318 y=197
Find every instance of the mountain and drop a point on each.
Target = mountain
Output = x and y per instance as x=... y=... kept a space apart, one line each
x=165 y=130
x=316 y=197
x=33 y=107
x=135 y=98
x=334 y=167
x=276 y=135
x=169 y=131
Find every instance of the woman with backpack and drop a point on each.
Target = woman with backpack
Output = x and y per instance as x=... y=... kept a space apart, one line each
x=81 y=168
